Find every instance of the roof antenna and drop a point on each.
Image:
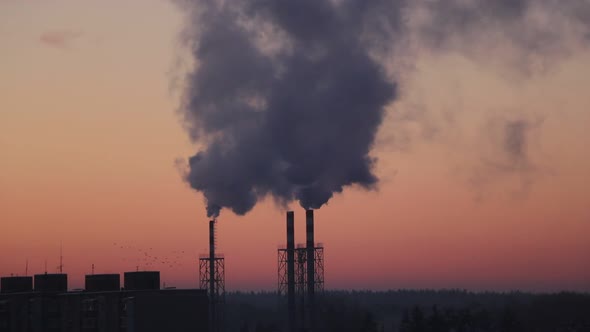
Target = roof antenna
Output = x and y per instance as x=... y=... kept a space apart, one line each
x=27 y=267
x=61 y=258
x=45 y=265
x=92 y=268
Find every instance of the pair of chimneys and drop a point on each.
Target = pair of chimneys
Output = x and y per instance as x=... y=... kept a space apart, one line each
x=310 y=268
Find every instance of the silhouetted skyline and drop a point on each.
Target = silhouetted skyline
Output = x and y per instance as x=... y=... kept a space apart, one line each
x=477 y=135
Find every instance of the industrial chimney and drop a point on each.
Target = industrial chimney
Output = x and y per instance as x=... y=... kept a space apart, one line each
x=310 y=248
x=291 y=271
x=212 y=278
x=212 y=292
x=301 y=275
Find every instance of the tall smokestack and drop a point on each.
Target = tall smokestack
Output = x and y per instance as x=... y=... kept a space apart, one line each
x=212 y=294
x=310 y=266
x=291 y=270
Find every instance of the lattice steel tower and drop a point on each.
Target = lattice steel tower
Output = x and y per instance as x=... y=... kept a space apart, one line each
x=212 y=278
x=301 y=275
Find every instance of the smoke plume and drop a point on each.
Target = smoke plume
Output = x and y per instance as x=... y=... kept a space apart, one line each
x=286 y=97
x=515 y=140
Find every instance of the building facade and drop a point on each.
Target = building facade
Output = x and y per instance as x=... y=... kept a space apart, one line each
x=102 y=307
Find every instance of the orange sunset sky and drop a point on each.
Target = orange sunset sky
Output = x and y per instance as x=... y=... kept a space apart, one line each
x=90 y=138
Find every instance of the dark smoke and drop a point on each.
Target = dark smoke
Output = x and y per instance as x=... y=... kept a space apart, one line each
x=510 y=159
x=286 y=96
x=296 y=123
x=515 y=140
x=537 y=31
x=512 y=155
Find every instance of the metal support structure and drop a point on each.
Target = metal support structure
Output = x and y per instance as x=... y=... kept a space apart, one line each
x=301 y=285
x=217 y=300
x=212 y=278
x=319 y=269
x=283 y=283
x=301 y=275
x=218 y=279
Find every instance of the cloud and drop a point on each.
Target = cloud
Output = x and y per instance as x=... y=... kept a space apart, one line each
x=62 y=39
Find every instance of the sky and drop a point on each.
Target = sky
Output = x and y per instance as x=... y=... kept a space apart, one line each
x=91 y=138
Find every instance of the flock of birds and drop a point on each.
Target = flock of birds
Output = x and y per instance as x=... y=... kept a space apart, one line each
x=149 y=258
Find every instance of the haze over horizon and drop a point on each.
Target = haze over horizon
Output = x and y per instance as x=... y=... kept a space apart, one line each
x=481 y=156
